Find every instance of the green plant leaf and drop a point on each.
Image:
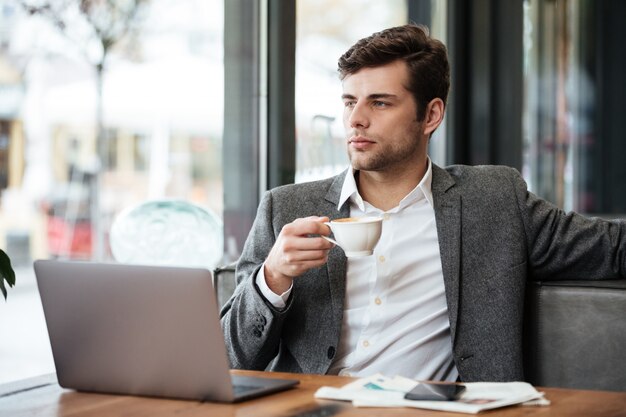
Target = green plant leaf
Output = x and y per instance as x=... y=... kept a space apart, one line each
x=6 y=273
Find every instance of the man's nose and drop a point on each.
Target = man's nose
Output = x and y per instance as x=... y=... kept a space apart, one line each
x=359 y=117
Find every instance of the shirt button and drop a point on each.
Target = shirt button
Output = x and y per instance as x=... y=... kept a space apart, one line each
x=378 y=301
x=366 y=343
x=381 y=258
x=386 y=216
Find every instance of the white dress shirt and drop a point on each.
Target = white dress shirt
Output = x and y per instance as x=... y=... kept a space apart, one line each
x=395 y=318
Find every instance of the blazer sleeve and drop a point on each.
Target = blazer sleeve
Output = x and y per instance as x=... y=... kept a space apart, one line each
x=252 y=325
x=568 y=245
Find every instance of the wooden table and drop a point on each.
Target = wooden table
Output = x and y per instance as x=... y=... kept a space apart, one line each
x=43 y=397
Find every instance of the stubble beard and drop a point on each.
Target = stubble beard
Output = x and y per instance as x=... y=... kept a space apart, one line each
x=386 y=158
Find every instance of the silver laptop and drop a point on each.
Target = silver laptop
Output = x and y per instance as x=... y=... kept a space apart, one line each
x=140 y=330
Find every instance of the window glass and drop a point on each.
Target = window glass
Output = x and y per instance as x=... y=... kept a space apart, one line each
x=325 y=30
x=92 y=124
x=438 y=29
x=573 y=126
x=551 y=66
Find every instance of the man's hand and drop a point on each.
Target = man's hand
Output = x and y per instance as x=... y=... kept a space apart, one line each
x=295 y=252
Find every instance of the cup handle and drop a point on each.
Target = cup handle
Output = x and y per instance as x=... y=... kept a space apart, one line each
x=330 y=240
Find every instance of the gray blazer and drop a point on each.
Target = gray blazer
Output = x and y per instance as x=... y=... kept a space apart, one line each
x=493 y=236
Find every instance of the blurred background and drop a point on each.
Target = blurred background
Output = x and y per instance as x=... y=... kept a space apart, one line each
x=106 y=105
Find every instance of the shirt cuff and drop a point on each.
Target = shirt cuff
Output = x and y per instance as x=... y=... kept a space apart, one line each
x=278 y=301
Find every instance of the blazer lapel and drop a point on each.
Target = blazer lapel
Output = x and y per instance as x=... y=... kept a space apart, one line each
x=337 y=261
x=447 y=203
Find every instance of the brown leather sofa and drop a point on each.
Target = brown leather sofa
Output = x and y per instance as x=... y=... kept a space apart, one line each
x=575 y=331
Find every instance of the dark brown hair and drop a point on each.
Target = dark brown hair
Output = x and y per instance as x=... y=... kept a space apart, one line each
x=426 y=59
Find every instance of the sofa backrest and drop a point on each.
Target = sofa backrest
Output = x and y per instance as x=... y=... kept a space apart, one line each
x=224 y=282
x=575 y=334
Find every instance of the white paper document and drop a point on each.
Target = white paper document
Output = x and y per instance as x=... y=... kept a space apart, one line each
x=381 y=391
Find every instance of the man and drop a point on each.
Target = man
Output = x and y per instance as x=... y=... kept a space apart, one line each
x=442 y=298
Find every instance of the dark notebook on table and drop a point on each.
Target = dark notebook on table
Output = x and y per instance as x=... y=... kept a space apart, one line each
x=140 y=330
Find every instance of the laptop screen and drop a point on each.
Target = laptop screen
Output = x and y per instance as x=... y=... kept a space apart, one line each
x=139 y=330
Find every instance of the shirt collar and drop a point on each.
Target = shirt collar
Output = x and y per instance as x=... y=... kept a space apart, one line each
x=349 y=191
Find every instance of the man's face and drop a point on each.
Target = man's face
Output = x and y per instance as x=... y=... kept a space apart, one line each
x=380 y=118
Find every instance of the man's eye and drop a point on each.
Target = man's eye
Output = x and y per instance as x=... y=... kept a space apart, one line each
x=379 y=104
x=349 y=103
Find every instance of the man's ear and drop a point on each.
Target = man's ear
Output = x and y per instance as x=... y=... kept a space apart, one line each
x=434 y=116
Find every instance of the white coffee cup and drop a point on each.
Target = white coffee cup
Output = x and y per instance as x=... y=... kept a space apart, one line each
x=357 y=236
